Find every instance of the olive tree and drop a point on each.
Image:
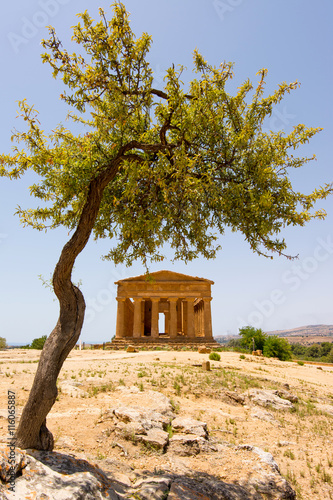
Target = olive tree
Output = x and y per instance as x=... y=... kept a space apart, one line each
x=150 y=166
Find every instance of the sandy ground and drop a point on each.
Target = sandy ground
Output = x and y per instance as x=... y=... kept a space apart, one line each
x=93 y=381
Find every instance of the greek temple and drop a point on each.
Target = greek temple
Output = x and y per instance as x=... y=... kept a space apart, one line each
x=164 y=307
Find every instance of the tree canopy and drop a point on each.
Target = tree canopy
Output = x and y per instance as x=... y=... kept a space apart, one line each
x=150 y=166
x=248 y=334
x=174 y=165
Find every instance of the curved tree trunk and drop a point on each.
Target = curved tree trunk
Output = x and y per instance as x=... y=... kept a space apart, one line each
x=32 y=431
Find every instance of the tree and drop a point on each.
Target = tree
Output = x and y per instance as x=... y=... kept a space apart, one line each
x=325 y=348
x=250 y=334
x=329 y=357
x=151 y=166
x=38 y=343
x=3 y=343
x=276 y=347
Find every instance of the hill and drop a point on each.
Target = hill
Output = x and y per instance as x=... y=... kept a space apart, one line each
x=309 y=330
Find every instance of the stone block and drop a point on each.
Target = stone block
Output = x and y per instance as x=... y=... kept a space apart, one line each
x=156 y=438
x=206 y=366
x=204 y=350
x=190 y=426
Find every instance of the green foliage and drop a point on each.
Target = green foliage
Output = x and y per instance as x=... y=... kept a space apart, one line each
x=173 y=165
x=214 y=356
x=248 y=333
x=276 y=347
x=3 y=343
x=318 y=352
x=38 y=343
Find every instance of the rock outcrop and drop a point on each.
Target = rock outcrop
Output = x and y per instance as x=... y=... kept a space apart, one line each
x=269 y=398
x=55 y=476
x=148 y=419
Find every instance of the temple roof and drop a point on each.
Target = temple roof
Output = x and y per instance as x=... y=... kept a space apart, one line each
x=165 y=276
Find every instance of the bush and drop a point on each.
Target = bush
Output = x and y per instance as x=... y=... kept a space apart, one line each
x=214 y=356
x=3 y=343
x=38 y=343
x=316 y=352
x=276 y=347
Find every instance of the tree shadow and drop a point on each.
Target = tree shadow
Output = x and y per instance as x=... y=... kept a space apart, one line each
x=158 y=484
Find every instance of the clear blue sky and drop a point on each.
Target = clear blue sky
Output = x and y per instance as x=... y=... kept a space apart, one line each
x=294 y=41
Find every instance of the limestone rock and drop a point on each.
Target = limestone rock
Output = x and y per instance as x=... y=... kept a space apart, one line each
x=287 y=395
x=184 y=445
x=206 y=366
x=264 y=456
x=129 y=430
x=234 y=396
x=206 y=489
x=190 y=426
x=204 y=350
x=56 y=476
x=155 y=438
x=151 y=488
x=131 y=348
x=269 y=398
x=20 y=463
x=146 y=418
x=146 y=424
x=264 y=415
x=51 y=476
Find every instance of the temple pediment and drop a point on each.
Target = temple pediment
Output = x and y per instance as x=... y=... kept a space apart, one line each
x=164 y=276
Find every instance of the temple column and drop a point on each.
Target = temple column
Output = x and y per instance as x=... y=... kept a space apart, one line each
x=190 y=317
x=207 y=318
x=137 y=323
x=154 y=317
x=166 y=322
x=173 y=317
x=200 y=319
x=120 y=328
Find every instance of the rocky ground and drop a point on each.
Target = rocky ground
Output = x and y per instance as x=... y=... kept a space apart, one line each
x=155 y=425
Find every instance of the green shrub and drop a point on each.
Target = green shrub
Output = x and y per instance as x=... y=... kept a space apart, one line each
x=301 y=363
x=3 y=343
x=38 y=343
x=276 y=347
x=214 y=356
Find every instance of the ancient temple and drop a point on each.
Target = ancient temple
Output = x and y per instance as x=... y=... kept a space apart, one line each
x=167 y=308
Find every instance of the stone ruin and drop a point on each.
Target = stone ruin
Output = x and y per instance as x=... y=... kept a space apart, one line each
x=178 y=302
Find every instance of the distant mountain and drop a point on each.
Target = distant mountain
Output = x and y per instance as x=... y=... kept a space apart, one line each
x=304 y=331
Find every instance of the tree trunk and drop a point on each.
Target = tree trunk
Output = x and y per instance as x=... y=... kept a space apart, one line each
x=32 y=431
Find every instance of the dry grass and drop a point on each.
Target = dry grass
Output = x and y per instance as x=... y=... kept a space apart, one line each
x=300 y=440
